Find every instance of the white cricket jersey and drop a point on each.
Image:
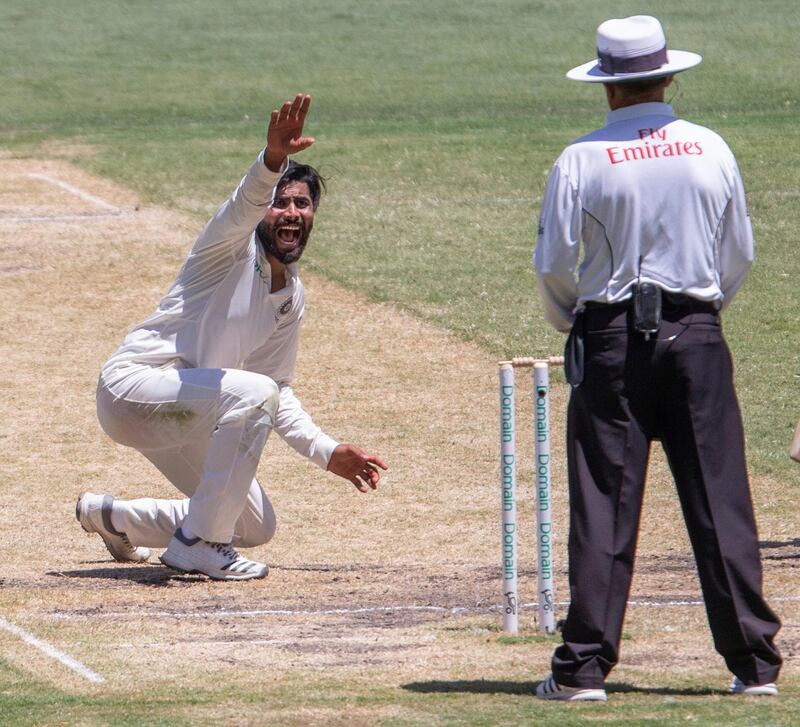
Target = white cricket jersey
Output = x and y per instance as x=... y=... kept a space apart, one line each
x=219 y=312
x=649 y=197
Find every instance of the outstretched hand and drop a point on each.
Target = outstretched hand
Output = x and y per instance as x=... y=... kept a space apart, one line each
x=285 y=132
x=356 y=465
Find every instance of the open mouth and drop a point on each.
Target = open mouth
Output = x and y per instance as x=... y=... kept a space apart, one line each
x=288 y=234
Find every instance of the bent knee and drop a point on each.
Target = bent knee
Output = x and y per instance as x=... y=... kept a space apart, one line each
x=263 y=536
x=255 y=535
x=257 y=524
x=262 y=398
x=269 y=397
x=259 y=402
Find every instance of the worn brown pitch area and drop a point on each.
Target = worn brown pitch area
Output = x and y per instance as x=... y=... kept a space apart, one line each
x=402 y=580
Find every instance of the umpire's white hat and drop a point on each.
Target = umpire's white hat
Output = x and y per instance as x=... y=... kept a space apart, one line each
x=632 y=49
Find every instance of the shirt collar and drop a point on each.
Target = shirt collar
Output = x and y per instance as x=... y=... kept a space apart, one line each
x=651 y=108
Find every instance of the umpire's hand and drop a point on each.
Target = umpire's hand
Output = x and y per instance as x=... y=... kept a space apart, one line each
x=356 y=465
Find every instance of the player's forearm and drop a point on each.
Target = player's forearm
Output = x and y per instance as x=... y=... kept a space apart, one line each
x=236 y=219
x=294 y=425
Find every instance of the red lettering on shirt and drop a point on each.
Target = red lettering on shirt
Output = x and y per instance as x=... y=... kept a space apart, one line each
x=632 y=153
x=651 y=133
x=635 y=153
x=687 y=148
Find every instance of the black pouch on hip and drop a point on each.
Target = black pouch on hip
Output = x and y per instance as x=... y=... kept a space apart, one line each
x=573 y=353
x=646 y=309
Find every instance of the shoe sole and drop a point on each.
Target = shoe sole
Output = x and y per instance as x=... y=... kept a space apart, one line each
x=78 y=513
x=551 y=691
x=757 y=692
x=194 y=571
x=589 y=695
x=109 y=547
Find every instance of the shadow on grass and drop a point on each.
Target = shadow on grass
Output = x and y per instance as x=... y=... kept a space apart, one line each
x=794 y=542
x=778 y=544
x=623 y=688
x=473 y=686
x=483 y=686
x=148 y=575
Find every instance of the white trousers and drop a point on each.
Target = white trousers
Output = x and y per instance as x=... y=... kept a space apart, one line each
x=204 y=429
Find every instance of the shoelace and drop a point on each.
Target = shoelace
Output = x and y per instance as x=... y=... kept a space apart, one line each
x=226 y=549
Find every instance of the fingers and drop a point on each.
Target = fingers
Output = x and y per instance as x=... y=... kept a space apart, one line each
x=304 y=106
x=303 y=142
x=371 y=476
x=295 y=110
x=361 y=485
x=367 y=475
x=356 y=466
x=372 y=459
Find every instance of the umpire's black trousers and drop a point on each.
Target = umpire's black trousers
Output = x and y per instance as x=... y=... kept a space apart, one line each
x=677 y=387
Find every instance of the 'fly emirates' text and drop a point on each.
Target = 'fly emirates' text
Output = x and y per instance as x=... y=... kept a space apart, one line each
x=655 y=146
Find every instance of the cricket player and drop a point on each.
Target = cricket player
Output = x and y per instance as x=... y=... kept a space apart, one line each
x=199 y=385
x=643 y=241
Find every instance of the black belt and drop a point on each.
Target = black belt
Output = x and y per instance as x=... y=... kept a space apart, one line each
x=670 y=301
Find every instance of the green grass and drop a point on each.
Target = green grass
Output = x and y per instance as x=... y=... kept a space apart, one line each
x=472 y=702
x=437 y=122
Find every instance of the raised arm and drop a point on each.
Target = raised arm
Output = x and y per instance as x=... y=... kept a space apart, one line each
x=235 y=220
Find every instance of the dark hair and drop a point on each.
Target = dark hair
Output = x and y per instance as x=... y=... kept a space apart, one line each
x=304 y=173
x=637 y=88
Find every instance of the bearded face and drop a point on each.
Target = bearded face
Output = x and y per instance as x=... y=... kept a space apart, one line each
x=285 y=228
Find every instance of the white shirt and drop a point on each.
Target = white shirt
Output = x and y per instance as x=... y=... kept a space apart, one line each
x=220 y=313
x=649 y=197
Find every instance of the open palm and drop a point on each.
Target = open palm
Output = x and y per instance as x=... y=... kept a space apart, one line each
x=285 y=131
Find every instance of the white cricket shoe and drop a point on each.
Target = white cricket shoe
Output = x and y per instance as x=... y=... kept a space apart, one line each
x=218 y=561
x=94 y=514
x=755 y=690
x=549 y=688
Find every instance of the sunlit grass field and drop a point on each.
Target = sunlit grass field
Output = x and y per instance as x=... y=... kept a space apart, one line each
x=436 y=124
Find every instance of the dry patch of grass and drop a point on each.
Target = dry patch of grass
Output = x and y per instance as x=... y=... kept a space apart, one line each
x=361 y=586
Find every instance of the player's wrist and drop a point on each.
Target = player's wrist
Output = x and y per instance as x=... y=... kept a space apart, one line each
x=273 y=161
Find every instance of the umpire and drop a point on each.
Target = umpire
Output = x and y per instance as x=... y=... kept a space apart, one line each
x=657 y=206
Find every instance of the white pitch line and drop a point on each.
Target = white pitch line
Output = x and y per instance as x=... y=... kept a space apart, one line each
x=60 y=218
x=73 y=190
x=173 y=644
x=454 y=610
x=52 y=652
x=271 y=612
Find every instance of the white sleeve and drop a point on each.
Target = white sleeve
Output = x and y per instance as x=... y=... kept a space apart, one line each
x=236 y=219
x=736 y=242
x=297 y=429
x=557 y=249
